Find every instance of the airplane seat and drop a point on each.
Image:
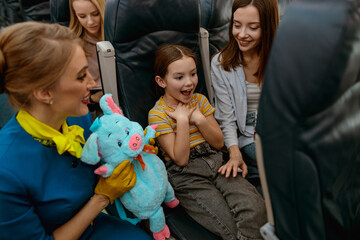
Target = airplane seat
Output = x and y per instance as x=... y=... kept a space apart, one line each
x=308 y=128
x=60 y=12
x=135 y=29
x=35 y=10
x=214 y=22
x=283 y=4
x=9 y=13
x=215 y=18
x=15 y=11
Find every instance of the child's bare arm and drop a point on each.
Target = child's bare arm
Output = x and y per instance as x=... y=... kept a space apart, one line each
x=208 y=127
x=177 y=146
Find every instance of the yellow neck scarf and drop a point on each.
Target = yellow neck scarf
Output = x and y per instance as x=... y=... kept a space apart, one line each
x=69 y=140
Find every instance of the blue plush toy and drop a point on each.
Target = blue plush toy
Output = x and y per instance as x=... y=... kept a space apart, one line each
x=115 y=139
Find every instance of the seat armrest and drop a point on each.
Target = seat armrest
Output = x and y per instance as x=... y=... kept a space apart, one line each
x=267 y=231
x=106 y=59
x=205 y=59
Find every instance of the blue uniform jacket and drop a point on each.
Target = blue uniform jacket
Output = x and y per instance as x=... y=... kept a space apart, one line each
x=39 y=189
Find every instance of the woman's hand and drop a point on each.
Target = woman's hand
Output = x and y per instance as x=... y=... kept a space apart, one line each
x=95 y=98
x=236 y=161
x=121 y=180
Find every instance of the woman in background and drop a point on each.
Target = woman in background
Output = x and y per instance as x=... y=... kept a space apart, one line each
x=87 y=22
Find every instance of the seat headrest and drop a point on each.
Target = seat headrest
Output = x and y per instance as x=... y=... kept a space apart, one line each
x=215 y=18
x=60 y=12
x=312 y=59
x=135 y=19
x=308 y=121
x=215 y=13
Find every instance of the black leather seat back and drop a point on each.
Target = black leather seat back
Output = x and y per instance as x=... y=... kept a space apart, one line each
x=14 y=11
x=60 y=12
x=283 y=4
x=136 y=29
x=215 y=18
x=36 y=10
x=309 y=121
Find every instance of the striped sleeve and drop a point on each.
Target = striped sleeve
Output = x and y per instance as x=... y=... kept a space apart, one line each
x=205 y=106
x=159 y=117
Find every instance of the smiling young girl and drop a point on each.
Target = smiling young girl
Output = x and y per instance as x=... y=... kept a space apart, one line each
x=190 y=139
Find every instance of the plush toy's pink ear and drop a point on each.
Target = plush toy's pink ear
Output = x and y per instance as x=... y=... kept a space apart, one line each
x=112 y=106
x=108 y=106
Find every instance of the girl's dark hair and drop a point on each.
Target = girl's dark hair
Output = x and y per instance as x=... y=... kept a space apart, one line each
x=231 y=56
x=164 y=56
x=168 y=53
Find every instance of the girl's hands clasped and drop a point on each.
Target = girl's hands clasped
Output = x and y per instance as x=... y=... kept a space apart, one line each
x=197 y=116
x=182 y=111
x=121 y=180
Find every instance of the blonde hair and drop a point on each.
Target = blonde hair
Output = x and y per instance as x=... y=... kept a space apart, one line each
x=33 y=55
x=76 y=26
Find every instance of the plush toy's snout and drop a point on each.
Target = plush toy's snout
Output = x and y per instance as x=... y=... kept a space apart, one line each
x=135 y=142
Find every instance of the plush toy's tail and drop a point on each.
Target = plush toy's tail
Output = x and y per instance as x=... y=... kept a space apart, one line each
x=122 y=213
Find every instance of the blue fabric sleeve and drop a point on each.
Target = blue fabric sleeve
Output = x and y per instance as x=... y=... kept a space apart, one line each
x=18 y=219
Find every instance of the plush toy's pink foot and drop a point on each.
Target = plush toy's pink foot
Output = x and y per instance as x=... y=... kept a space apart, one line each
x=165 y=233
x=173 y=203
x=101 y=170
x=154 y=126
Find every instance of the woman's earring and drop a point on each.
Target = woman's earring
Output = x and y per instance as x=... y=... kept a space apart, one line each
x=51 y=102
